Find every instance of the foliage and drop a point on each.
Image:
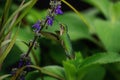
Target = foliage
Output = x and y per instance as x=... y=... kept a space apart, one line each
x=85 y=46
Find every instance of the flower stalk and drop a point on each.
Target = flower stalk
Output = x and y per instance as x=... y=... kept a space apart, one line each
x=54 y=10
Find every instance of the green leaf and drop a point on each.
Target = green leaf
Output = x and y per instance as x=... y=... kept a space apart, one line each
x=4 y=76
x=47 y=78
x=11 y=18
x=5 y=53
x=5 y=14
x=38 y=68
x=95 y=73
x=8 y=41
x=102 y=5
x=100 y=58
x=33 y=75
x=70 y=71
x=56 y=70
x=26 y=7
x=78 y=57
x=80 y=70
x=14 y=53
x=109 y=34
x=115 y=12
x=72 y=68
x=48 y=72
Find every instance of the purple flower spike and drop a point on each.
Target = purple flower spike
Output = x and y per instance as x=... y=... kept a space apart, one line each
x=37 y=26
x=20 y=63
x=28 y=63
x=58 y=10
x=49 y=20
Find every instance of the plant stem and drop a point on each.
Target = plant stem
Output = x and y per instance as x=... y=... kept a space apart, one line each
x=31 y=46
x=35 y=39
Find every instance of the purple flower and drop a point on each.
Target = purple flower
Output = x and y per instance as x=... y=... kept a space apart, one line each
x=37 y=26
x=50 y=20
x=24 y=61
x=28 y=62
x=58 y=10
x=21 y=63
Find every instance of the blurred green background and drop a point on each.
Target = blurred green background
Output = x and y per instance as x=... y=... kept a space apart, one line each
x=101 y=35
